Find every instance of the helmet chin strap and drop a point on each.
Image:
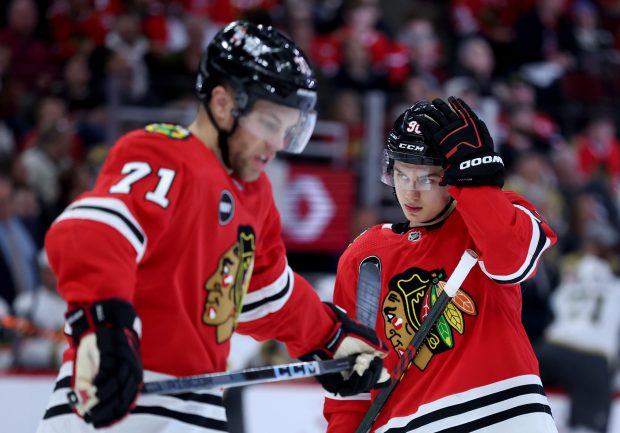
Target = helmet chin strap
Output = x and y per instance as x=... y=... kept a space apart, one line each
x=222 y=135
x=443 y=214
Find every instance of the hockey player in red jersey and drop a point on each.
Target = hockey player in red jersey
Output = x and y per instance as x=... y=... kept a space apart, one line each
x=476 y=370
x=178 y=245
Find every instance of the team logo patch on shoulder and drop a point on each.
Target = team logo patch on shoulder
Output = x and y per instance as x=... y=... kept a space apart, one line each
x=226 y=208
x=169 y=130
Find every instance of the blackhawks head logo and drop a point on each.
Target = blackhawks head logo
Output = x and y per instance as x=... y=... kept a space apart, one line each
x=408 y=301
x=227 y=286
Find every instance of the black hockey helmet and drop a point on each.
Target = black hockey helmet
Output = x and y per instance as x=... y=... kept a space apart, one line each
x=258 y=62
x=406 y=143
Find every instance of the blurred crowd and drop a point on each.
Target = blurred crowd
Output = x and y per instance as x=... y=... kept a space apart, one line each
x=543 y=74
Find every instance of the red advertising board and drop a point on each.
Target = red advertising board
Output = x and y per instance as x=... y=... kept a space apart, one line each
x=318 y=208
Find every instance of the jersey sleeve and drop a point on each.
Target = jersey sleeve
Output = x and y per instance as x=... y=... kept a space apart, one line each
x=97 y=242
x=344 y=414
x=280 y=304
x=509 y=234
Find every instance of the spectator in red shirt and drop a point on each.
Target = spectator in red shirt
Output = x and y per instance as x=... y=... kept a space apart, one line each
x=329 y=52
x=76 y=27
x=29 y=69
x=425 y=50
x=598 y=149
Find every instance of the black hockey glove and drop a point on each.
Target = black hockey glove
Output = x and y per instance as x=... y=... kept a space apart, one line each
x=348 y=338
x=107 y=369
x=463 y=143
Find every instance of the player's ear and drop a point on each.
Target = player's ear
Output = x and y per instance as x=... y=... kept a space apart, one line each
x=221 y=105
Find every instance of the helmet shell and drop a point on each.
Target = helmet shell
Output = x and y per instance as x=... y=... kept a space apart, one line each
x=258 y=62
x=407 y=143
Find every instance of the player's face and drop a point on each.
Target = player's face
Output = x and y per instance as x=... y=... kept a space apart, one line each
x=260 y=134
x=418 y=191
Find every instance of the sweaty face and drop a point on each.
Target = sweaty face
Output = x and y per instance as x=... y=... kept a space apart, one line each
x=418 y=191
x=260 y=134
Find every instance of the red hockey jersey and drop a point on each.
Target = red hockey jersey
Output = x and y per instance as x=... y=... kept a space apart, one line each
x=476 y=369
x=196 y=251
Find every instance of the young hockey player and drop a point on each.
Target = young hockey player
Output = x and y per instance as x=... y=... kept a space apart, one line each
x=476 y=369
x=178 y=245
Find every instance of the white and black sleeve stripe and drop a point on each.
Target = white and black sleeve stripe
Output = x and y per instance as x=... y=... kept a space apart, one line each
x=192 y=412
x=268 y=299
x=112 y=212
x=538 y=243
x=513 y=405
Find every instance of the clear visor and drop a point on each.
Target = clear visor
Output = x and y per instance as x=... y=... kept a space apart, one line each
x=409 y=177
x=284 y=128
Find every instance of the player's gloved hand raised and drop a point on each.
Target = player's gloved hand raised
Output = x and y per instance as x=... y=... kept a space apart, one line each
x=107 y=369
x=463 y=142
x=348 y=338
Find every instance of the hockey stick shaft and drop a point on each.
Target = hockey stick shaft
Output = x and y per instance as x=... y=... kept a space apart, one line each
x=250 y=376
x=468 y=260
x=368 y=291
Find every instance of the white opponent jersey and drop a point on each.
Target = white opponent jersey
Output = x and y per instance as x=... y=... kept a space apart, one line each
x=586 y=308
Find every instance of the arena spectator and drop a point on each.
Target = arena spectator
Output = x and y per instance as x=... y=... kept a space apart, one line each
x=30 y=70
x=128 y=47
x=17 y=249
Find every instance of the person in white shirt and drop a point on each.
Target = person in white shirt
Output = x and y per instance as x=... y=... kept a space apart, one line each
x=45 y=310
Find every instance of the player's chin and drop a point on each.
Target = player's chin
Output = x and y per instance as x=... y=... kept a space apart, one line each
x=250 y=175
x=415 y=217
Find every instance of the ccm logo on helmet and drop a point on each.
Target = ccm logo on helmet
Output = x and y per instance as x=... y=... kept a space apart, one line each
x=414 y=127
x=414 y=147
x=478 y=161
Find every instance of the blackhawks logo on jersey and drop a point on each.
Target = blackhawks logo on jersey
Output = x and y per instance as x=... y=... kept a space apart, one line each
x=227 y=286
x=408 y=301
x=169 y=130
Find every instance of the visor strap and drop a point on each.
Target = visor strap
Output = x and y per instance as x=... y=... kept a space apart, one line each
x=222 y=136
x=447 y=210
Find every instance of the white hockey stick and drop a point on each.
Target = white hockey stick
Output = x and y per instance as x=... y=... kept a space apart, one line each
x=468 y=260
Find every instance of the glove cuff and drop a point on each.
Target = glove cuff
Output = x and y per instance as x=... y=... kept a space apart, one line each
x=106 y=313
x=328 y=348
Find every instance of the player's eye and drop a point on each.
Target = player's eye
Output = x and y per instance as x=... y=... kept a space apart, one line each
x=402 y=177
x=269 y=125
x=425 y=180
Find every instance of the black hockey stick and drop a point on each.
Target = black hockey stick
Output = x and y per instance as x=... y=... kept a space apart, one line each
x=468 y=260
x=368 y=291
x=250 y=376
